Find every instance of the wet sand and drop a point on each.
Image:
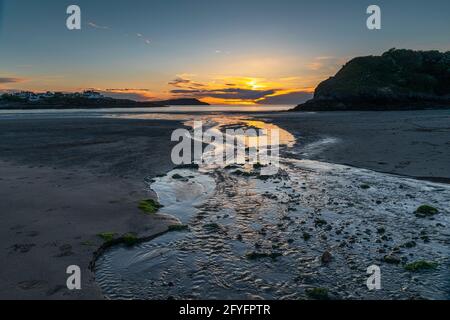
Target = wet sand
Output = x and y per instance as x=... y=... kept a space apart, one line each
x=51 y=168
x=62 y=182
x=410 y=143
x=313 y=225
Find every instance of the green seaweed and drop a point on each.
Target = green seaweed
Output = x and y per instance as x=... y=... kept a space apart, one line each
x=178 y=227
x=130 y=239
x=107 y=236
x=421 y=265
x=149 y=206
x=318 y=293
x=426 y=211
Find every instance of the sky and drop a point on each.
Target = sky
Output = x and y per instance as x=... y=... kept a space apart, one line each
x=222 y=52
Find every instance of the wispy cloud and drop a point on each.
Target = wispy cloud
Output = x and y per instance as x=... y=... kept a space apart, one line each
x=4 y=80
x=139 y=35
x=295 y=97
x=183 y=82
x=241 y=90
x=245 y=90
x=227 y=93
x=325 y=64
x=96 y=26
x=219 y=51
x=137 y=94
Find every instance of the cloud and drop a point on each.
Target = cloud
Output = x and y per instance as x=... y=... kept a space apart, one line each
x=296 y=97
x=246 y=90
x=6 y=80
x=96 y=26
x=181 y=82
x=227 y=93
x=178 y=82
x=289 y=79
x=325 y=58
x=141 y=36
x=137 y=94
x=138 y=34
x=325 y=64
x=128 y=89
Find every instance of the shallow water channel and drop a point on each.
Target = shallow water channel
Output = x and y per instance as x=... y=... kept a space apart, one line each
x=251 y=236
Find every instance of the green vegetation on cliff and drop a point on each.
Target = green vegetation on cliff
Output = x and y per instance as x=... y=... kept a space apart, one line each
x=398 y=79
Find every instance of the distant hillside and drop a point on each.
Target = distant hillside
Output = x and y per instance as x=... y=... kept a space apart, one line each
x=65 y=102
x=183 y=102
x=396 y=80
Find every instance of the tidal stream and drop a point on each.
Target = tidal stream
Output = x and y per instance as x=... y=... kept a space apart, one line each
x=251 y=236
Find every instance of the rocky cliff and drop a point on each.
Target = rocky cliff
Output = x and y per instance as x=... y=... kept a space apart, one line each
x=396 y=80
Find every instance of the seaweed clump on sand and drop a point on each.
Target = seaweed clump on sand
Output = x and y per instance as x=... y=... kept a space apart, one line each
x=107 y=236
x=111 y=238
x=421 y=265
x=178 y=227
x=130 y=239
x=318 y=294
x=149 y=206
x=426 y=211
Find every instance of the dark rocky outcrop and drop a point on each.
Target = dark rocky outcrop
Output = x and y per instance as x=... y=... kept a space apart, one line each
x=396 y=80
x=63 y=102
x=66 y=101
x=183 y=102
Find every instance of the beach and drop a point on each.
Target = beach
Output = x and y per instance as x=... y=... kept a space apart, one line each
x=63 y=182
x=408 y=143
x=66 y=180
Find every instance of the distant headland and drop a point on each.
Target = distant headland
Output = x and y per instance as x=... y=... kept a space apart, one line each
x=183 y=102
x=86 y=100
x=399 y=79
x=58 y=100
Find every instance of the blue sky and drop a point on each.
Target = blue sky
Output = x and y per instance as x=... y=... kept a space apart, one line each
x=165 y=48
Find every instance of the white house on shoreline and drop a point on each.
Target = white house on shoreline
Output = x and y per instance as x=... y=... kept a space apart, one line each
x=35 y=97
x=90 y=94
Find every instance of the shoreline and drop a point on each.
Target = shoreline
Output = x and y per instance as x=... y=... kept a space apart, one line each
x=58 y=164
x=412 y=144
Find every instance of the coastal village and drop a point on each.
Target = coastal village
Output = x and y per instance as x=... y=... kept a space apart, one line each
x=36 y=97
